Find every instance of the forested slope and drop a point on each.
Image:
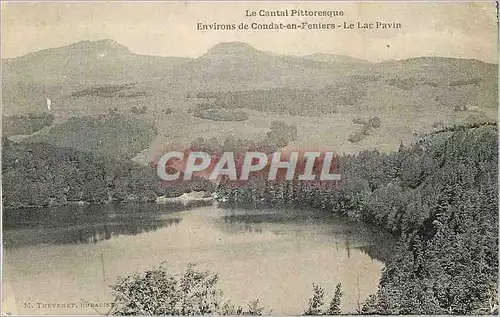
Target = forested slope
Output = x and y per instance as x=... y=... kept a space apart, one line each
x=40 y=175
x=438 y=197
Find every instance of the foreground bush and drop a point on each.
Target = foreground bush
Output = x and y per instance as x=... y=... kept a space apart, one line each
x=156 y=292
x=316 y=302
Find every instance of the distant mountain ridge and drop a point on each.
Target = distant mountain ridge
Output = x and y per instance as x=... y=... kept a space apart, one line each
x=232 y=49
x=84 y=61
x=335 y=58
x=223 y=48
x=106 y=60
x=322 y=94
x=59 y=72
x=82 y=46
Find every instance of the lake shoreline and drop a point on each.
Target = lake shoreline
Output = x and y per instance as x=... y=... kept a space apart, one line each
x=158 y=200
x=143 y=236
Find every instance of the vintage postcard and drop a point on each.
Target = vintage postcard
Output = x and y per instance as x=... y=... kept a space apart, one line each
x=249 y=158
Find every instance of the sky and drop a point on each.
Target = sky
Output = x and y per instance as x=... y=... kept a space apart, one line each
x=465 y=30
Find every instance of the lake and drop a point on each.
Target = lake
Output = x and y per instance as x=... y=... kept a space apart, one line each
x=63 y=255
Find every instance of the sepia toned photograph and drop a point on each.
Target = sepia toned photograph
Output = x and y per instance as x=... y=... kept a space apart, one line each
x=249 y=158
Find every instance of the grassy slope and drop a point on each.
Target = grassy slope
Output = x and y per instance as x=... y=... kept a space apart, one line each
x=409 y=95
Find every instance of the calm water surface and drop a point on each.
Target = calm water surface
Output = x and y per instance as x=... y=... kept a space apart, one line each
x=73 y=254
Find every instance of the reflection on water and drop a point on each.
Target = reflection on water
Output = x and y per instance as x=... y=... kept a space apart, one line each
x=34 y=217
x=380 y=251
x=349 y=232
x=86 y=224
x=88 y=233
x=65 y=254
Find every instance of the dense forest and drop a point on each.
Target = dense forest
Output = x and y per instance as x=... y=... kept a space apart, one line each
x=113 y=135
x=438 y=198
x=25 y=124
x=40 y=175
x=279 y=135
x=221 y=114
x=156 y=291
x=288 y=100
x=367 y=125
x=104 y=91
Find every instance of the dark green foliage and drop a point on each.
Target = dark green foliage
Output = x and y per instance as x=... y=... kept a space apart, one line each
x=369 y=306
x=356 y=137
x=334 y=307
x=471 y=81
x=221 y=115
x=113 y=135
x=438 y=124
x=403 y=83
x=411 y=82
x=439 y=199
x=374 y=122
x=133 y=94
x=39 y=174
x=279 y=136
x=254 y=308
x=447 y=222
x=367 y=126
x=316 y=302
x=359 y=121
x=104 y=91
x=206 y=94
x=156 y=292
x=137 y=110
x=288 y=100
x=25 y=124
